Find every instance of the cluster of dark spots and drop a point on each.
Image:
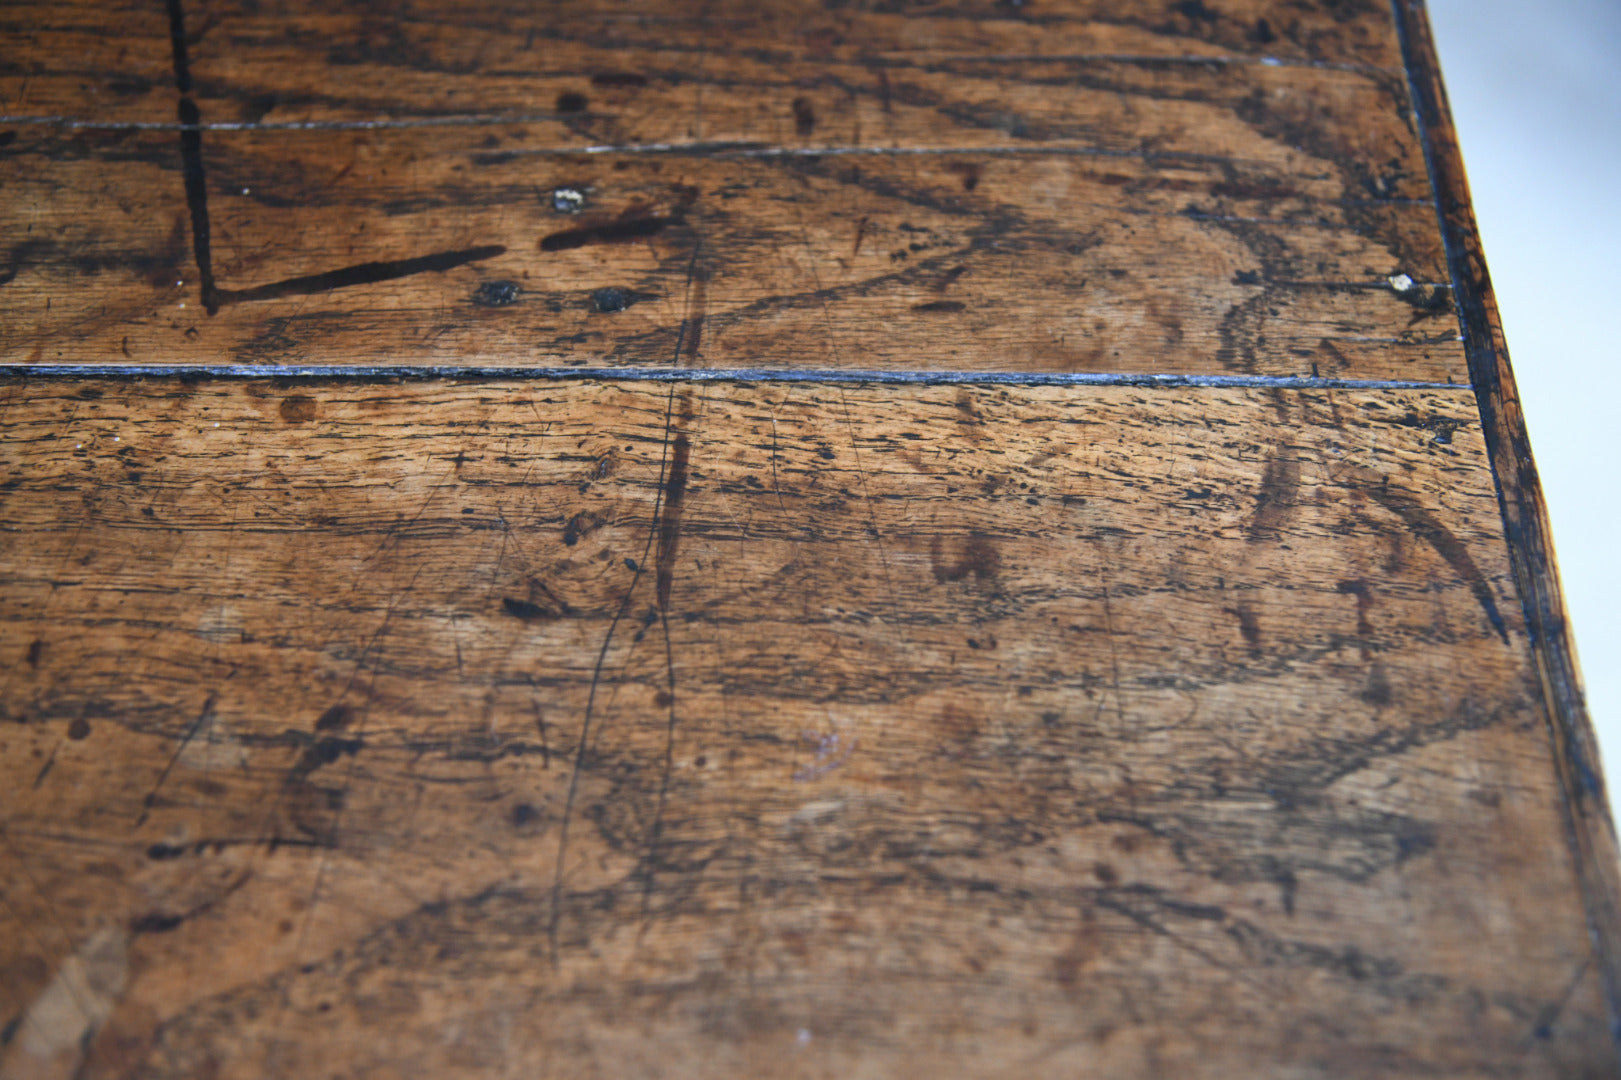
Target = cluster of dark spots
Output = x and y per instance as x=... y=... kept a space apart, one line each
x=1196 y=9
x=618 y=79
x=967 y=171
x=1376 y=691
x=1263 y=33
x=336 y=718
x=543 y=603
x=610 y=300
x=497 y=293
x=941 y=306
x=324 y=751
x=36 y=649
x=570 y=101
x=1247 y=277
x=988 y=642
x=978 y=558
x=297 y=409
x=581 y=524
x=1429 y=303
x=616 y=232
x=522 y=814
x=804 y=116
x=1248 y=626
x=161 y=852
x=155 y=922
x=1364 y=601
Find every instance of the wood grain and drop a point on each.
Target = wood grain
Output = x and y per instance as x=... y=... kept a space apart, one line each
x=324 y=249
x=1071 y=190
x=291 y=61
x=622 y=729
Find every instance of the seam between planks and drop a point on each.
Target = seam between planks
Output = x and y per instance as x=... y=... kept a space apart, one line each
x=365 y=372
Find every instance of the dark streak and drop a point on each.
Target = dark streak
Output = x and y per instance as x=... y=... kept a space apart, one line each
x=1423 y=525
x=1280 y=483
x=941 y=306
x=191 y=164
x=554 y=921
x=362 y=274
x=616 y=232
x=669 y=528
x=177 y=45
x=804 y=116
x=203 y=717
x=1364 y=601
x=1249 y=627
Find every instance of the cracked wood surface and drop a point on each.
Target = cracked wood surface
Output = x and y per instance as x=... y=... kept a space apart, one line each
x=1074 y=189
x=622 y=729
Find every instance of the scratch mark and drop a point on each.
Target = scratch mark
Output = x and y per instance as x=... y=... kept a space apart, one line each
x=203 y=717
x=50 y=762
x=360 y=274
x=696 y=301
x=669 y=526
x=554 y=922
x=612 y=233
x=1424 y=525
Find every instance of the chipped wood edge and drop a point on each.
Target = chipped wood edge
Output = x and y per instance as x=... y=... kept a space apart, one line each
x=1525 y=516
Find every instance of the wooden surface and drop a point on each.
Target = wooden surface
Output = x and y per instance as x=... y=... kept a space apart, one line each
x=1056 y=193
x=1091 y=631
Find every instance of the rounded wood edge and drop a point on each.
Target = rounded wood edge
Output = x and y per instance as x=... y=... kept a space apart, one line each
x=1525 y=518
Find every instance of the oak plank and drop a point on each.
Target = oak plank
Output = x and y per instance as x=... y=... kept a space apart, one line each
x=896 y=730
x=447 y=246
x=286 y=61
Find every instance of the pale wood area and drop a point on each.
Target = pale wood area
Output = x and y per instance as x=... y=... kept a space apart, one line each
x=893 y=730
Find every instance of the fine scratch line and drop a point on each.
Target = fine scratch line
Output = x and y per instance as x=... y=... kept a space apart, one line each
x=596 y=680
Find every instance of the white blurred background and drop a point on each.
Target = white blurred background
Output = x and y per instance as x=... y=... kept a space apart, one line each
x=1536 y=94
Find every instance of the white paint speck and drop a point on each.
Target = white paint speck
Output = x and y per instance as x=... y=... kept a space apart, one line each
x=78 y=446
x=1400 y=282
x=115 y=438
x=1271 y=61
x=244 y=191
x=216 y=423
x=182 y=303
x=802 y=1037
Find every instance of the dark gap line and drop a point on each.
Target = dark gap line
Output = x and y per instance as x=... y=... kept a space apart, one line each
x=368 y=372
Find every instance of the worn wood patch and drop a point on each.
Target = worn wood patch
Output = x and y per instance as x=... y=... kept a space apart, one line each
x=615 y=729
x=459 y=246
